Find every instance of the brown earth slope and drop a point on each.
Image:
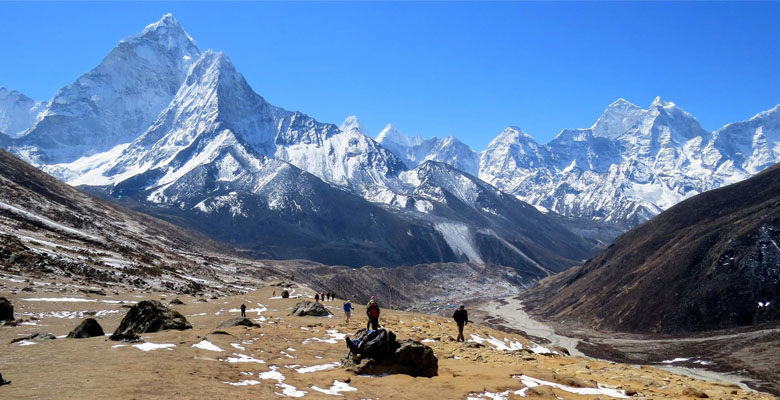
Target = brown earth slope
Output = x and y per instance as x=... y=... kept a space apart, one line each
x=287 y=356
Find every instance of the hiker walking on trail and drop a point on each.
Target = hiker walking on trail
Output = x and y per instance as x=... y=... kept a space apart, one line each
x=461 y=317
x=243 y=311
x=317 y=297
x=348 y=309
x=372 y=311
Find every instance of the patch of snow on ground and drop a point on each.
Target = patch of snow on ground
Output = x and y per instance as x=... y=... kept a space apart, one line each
x=206 y=345
x=601 y=390
x=26 y=343
x=290 y=390
x=315 y=368
x=676 y=360
x=153 y=346
x=335 y=337
x=62 y=299
x=238 y=346
x=497 y=344
x=242 y=358
x=116 y=346
x=337 y=387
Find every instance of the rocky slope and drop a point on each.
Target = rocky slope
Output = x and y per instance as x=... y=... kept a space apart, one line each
x=48 y=228
x=710 y=262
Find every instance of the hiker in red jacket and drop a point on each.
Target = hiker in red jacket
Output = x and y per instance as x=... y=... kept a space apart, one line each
x=372 y=311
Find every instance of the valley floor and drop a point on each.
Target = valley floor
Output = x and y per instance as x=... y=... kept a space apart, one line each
x=749 y=358
x=287 y=356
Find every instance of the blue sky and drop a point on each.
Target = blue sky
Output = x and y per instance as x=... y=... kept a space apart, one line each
x=438 y=68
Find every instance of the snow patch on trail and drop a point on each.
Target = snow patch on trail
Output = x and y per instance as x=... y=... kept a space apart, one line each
x=154 y=346
x=315 y=368
x=334 y=337
x=336 y=389
x=206 y=345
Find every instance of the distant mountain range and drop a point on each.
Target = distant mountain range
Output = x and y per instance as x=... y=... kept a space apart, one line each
x=710 y=262
x=177 y=132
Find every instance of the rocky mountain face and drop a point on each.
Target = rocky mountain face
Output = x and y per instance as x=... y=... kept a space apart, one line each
x=210 y=154
x=710 y=262
x=114 y=102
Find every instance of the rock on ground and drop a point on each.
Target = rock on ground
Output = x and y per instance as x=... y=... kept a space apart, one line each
x=285 y=294
x=411 y=358
x=36 y=337
x=6 y=310
x=87 y=329
x=237 y=322
x=146 y=317
x=308 y=308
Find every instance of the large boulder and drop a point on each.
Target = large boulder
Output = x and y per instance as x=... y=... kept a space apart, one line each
x=237 y=322
x=306 y=307
x=410 y=358
x=6 y=310
x=146 y=317
x=286 y=294
x=87 y=328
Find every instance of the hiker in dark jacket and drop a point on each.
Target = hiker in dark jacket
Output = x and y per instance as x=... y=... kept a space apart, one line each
x=461 y=317
x=243 y=311
x=317 y=298
x=372 y=311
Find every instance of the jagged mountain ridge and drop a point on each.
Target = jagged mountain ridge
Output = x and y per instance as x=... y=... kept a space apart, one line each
x=632 y=164
x=17 y=112
x=710 y=262
x=220 y=159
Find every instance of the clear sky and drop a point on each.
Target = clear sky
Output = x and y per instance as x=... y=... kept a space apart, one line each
x=437 y=68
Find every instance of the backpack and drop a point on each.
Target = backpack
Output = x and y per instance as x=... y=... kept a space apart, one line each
x=377 y=344
x=373 y=310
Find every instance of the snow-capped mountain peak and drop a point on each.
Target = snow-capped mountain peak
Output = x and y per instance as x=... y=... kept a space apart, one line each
x=353 y=124
x=391 y=134
x=17 y=112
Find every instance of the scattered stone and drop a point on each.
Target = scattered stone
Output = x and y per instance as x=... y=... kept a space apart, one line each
x=237 y=322
x=146 y=317
x=97 y=292
x=35 y=337
x=6 y=310
x=306 y=307
x=220 y=333
x=693 y=392
x=285 y=294
x=473 y=345
x=176 y=302
x=87 y=329
x=28 y=289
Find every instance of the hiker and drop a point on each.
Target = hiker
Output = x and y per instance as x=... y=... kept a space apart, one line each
x=274 y=295
x=243 y=311
x=372 y=311
x=348 y=309
x=461 y=317
x=317 y=297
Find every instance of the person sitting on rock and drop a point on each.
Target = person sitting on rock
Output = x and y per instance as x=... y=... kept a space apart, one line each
x=461 y=317
x=243 y=311
x=372 y=311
